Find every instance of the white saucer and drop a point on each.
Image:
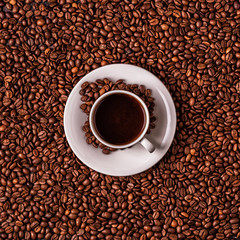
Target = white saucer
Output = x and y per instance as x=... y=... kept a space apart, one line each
x=132 y=160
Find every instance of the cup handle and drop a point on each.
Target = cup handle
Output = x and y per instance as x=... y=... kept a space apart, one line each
x=147 y=145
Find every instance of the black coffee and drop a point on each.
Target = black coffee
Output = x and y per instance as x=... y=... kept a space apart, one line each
x=119 y=119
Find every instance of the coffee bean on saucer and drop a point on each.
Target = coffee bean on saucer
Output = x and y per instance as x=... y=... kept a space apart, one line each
x=106 y=150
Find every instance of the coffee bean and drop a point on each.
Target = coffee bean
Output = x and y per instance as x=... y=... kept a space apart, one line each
x=191 y=102
x=174 y=223
x=74 y=70
x=201 y=66
x=40 y=22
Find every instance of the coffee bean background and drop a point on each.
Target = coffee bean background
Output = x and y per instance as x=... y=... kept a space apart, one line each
x=45 y=49
x=91 y=91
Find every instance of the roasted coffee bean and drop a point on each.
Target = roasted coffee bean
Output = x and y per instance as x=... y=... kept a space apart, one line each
x=47 y=46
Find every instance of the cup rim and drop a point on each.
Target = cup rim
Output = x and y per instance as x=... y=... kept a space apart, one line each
x=95 y=105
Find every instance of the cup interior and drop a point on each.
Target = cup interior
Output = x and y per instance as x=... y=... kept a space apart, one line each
x=93 y=124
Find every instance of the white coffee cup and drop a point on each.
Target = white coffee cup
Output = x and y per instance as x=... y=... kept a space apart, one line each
x=140 y=139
